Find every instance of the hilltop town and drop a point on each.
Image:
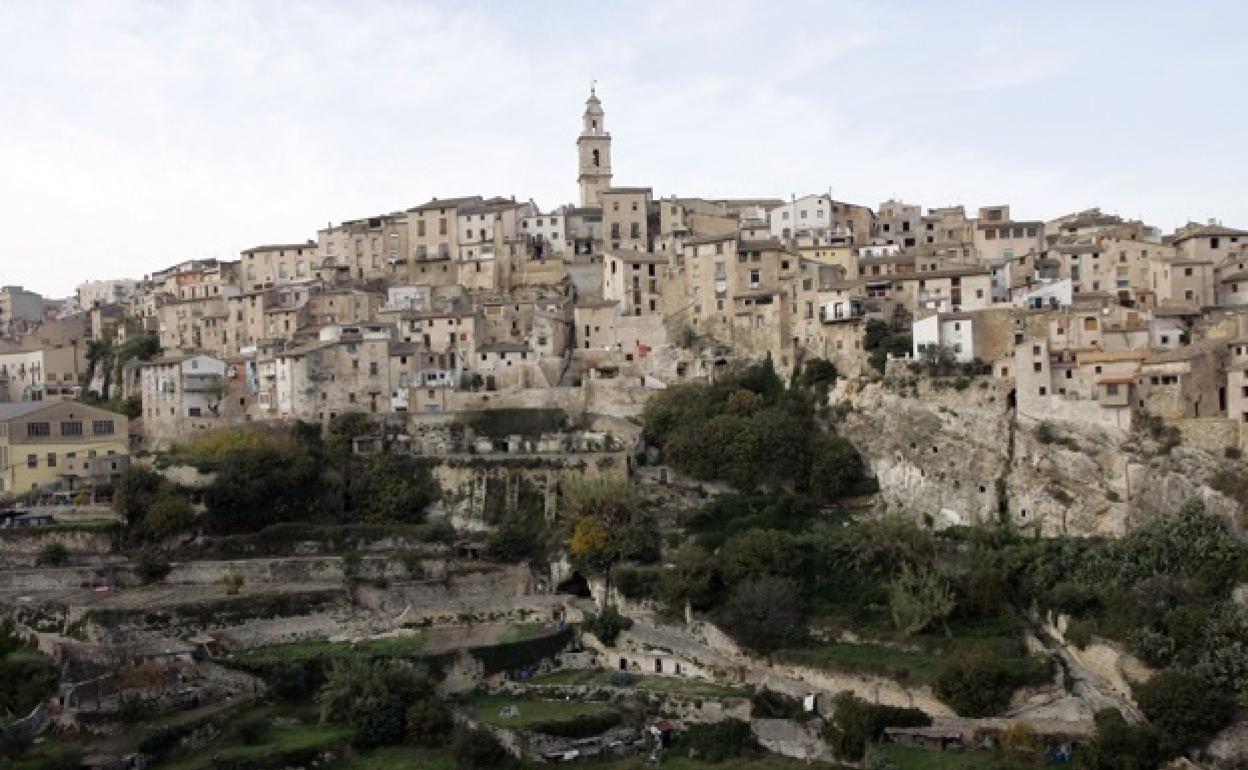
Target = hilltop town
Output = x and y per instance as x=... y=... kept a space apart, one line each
x=843 y=483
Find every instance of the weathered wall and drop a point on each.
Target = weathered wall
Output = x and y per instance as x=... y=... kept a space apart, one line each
x=960 y=456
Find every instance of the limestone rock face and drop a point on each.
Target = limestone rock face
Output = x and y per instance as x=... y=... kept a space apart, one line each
x=958 y=454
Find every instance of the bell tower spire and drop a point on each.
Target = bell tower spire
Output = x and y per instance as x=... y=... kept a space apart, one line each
x=593 y=149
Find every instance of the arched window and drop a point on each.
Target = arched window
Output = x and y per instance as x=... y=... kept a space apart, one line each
x=596 y=158
x=594 y=124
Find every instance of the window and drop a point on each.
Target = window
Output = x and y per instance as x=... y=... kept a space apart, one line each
x=51 y=459
x=32 y=461
x=71 y=428
x=1214 y=243
x=38 y=429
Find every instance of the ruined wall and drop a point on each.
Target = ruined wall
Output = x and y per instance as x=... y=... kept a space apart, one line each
x=467 y=482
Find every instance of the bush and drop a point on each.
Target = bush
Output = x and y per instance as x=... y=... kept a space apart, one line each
x=414 y=563
x=64 y=758
x=765 y=614
x=429 y=723
x=252 y=730
x=581 y=726
x=978 y=682
x=152 y=567
x=1185 y=706
x=377 y=719
x=856 y=723
x=52 y=555
x=480 y=750
x=638 y=582
x=718 y=741
x=608 y=625
x=168 y=515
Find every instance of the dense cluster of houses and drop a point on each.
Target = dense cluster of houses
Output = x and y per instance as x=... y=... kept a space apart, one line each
x=422 y=310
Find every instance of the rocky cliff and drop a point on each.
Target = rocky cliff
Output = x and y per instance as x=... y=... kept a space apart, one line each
x=955 y=452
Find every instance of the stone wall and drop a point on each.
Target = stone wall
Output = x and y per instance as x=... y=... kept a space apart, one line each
x=466 y=481
x=1212 y=434
x=21 y=545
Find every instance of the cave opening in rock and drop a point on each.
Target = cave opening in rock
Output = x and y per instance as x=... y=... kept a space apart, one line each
x=576 y=585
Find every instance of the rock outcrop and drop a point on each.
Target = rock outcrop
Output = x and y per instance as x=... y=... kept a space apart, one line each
x=955 y=452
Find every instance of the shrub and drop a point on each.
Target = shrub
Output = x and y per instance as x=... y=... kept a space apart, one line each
x=168 y=515
x=581 y=726
x=414 y=563
x=480 y=750
x=1044 y=433
x=608 y=625
x=152 y=567
x=429 y=723
x=233 y=583
x=638 y=582
x=978 y=682
x=1185 y=706
x=252 y=730
x=856 y=723
x=377 y=719
x=718 y=741
x=132 y=709
x=764 y=614
x=52 y=555
x=64 y=758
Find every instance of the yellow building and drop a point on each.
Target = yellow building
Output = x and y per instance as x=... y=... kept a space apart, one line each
x=838 y=256
x=60 y=445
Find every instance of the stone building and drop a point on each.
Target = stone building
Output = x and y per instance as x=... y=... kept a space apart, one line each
x=593 y=150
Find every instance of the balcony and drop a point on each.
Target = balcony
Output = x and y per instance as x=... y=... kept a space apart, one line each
x=846 y=310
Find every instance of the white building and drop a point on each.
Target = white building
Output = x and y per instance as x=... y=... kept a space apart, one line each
x=1051 y=295
x=953 y=331
x=108 y=292
x=549 y=232
x=808 y=215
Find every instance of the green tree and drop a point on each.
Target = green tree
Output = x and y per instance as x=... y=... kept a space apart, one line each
x=694 y=578
x=764 y=614
x=757 y=553
x=917 y=598
x=836 y=468
x=715 y=742
x=151 y=567
x=480 y=750
x=608 y=625
x=52 y=555
x=136 y=490
x=1185 y=706
x=855 y=724
x=393 y=488
x=169 y=514
x=979 y=681
x=429 y=723
x=609 y=524
x=1121 y=746
x=818 y=374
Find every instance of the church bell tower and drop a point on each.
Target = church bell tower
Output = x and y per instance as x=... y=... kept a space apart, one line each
x=593 y=149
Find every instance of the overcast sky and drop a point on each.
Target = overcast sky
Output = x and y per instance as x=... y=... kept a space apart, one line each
x=137 y=134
